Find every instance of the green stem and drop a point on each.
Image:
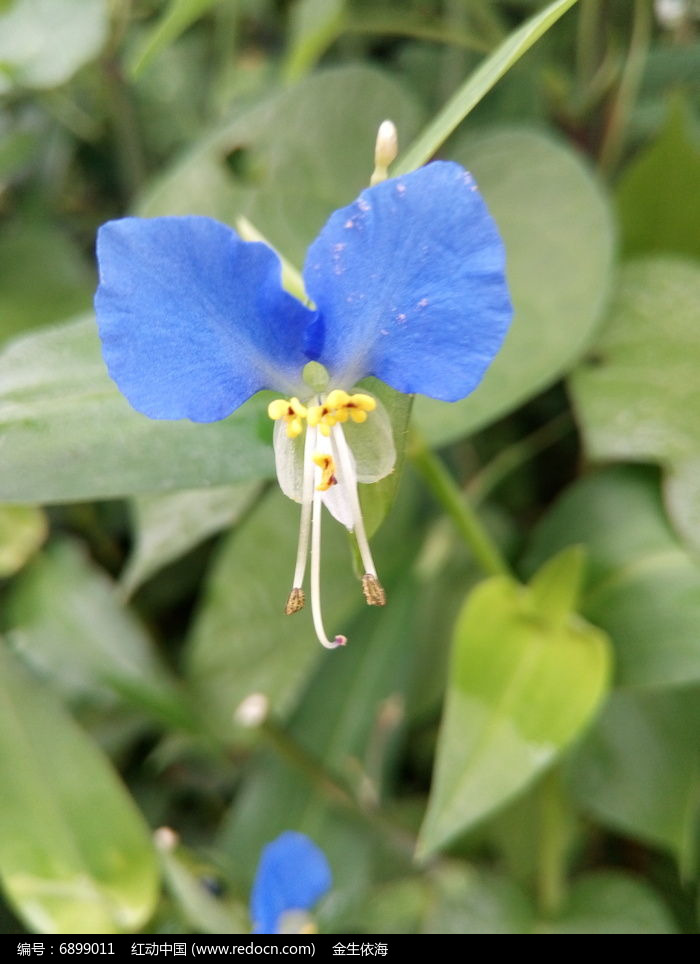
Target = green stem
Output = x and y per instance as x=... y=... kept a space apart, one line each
x=334 y=791
x=453 y=500
x=614 y=138
x=587 y=44
x=514 y=456
x=553 y=846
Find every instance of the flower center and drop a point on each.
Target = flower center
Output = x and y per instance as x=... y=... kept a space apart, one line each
x=329 y=475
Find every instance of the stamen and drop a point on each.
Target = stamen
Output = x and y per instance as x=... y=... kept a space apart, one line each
x=293 y=413
x=327 y=467
x=296 y=598
x=316 y=568
x=295 y=601
x=372 y=588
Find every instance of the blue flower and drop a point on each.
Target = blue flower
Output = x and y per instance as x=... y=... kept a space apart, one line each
x=407 y=284
x=293 y=874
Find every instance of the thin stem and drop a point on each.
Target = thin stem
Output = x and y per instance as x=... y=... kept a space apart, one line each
x=614 y=137
x=587 y=43
x=553 y=846
x=514 y=456
x=333 y=789
x=453 y=500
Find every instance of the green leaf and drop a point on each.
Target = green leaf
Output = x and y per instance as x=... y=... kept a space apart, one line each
x=454 y=899
x=44 y=278
x=69 y=435
x=659 y=210
x=521 y=687
x=556 y=586
x=638 y=398
x=558 y=234
x=479 y=84
x=75 y=853
x=169 y=525
x=67 y=623
x=23 y=528
x=298 y=155
x=314 y=25
x=241 y=641
x=43 y=42
x=638 y=771
x=612 y=903
x=643 y=585
x=174 y=20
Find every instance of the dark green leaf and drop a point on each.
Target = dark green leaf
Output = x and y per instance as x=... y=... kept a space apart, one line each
x=638 y=771
x=69 y=435
x=643 y=586
x=638 y=397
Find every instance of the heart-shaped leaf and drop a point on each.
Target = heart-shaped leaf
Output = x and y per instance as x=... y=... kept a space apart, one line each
x=522 y=685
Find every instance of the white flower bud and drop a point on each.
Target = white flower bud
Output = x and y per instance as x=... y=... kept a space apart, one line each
x=252 y=711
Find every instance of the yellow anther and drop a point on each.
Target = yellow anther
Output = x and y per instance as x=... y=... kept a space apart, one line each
x=292 y=411
x=337 y=398
x=339 y=406
x=358 y=416
x=327 y=467
x=364 y=402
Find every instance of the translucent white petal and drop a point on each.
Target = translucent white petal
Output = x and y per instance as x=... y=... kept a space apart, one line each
x=289 y=461
x=372 y=444
x=339 y=498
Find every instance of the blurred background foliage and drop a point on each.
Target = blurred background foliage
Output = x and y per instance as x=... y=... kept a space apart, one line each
x=143 y=565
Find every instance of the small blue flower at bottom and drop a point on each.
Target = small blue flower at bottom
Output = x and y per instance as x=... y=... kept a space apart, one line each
x=293 y=874
x=406 y=284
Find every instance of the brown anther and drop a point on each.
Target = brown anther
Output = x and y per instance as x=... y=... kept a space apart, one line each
x=295 y=602
x=373 y=590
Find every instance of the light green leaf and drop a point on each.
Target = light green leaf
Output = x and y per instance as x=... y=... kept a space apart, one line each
x=241 y=642
x=556 y=226
x=75 y=853
x=43 y=42
x=314 y=25
x=657 y=195
x=23 y=528
x=300 y=154
x=556 y=586
x=612 y=903
x=643 y=585
x=521 y=687
x=69 y=435
x=479 y=84
x=169 y=525
x=639 y=772
x=174 y=20
x=638 y=398
x=66 y=621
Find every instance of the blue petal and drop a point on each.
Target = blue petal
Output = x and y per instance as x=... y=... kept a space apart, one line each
x=410 y=286
x=193 y=320
x=292 y=875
